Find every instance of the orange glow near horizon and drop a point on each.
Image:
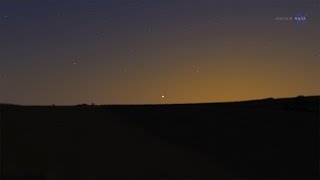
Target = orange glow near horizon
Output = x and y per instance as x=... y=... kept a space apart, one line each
x=119 y=53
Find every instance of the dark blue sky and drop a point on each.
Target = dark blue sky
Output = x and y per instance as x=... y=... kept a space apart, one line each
x=156 y=51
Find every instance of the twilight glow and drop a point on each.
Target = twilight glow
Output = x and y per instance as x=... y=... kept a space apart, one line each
x=155 y=52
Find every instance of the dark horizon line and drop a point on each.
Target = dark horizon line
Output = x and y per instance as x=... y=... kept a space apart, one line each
x=164 y=104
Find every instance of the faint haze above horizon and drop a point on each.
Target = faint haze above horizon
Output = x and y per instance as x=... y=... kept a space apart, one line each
x=69 y=52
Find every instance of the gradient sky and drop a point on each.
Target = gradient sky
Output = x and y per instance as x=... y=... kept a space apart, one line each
x=69 y=52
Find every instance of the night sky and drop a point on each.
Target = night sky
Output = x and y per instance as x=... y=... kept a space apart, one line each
x=68 y=52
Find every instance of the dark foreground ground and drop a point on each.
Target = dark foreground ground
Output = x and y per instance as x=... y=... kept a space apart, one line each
x=276 y=139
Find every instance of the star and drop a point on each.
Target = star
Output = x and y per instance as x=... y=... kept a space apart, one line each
x=162 y=96
x=99 y=35
x=197 y=69
x=75 y=59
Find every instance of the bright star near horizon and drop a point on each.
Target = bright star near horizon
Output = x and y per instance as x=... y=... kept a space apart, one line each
x=135 y=52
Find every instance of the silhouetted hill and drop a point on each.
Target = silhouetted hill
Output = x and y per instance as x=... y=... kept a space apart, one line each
x=268 y=138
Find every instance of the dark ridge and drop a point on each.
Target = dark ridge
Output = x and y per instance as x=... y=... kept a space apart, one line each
x=308 y=99
x=260 y=139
